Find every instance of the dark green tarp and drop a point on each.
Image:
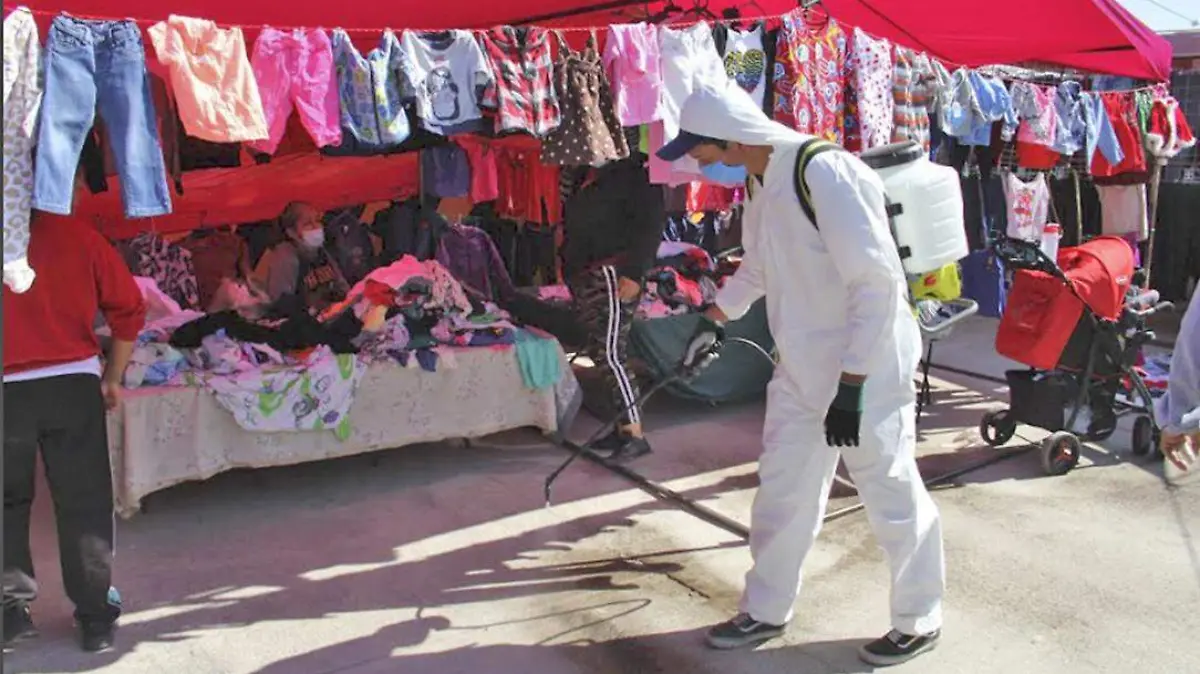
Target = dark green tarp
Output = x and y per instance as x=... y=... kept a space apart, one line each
x=740 y=373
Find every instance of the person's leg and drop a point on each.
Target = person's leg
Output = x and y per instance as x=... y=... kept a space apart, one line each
x=621 y=381
x=75 y=449
x=907 y=526
x=607 y=323
x=21 y=407
x=795 y=474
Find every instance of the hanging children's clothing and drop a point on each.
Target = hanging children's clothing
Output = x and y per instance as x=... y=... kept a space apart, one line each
x=447 y=74
x=147 y=254
x=913 y=83
x=215 y=256
x=524 y=96
x=22 y=100
x=295 y=69
x=1028 y=206
x=1070 y=135
x=870 y=105
x=748 y=61
x=590 y=133
x=1122 y=114
x=810 y=92
x=215 y=87
x=445 y=172
x=689 y=58
x=1099 y=135
x=481 y=157
x=90 y=66
x=371 y=107
x=472 y=257
x=1124 y=210
x=1168 y=132
x=632 y=58
x=1035 y=107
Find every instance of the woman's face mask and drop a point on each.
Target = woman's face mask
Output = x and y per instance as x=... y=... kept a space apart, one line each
x=723 y=174
x=313 y=238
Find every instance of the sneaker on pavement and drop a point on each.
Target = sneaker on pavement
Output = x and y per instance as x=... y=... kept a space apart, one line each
x=896 y=647
x=633 y=448
x=742 y=630
x=97 y=636
x=609 y=443
x=18 y=624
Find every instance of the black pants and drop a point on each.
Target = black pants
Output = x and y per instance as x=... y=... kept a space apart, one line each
x=607 y=321
x=65 y=417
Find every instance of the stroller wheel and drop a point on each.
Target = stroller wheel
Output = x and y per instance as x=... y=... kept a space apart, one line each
x=997 y=427
x=1145 y=436
x=1060 y=453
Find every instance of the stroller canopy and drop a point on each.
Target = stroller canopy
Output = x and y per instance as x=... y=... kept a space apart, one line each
x=1101 y=271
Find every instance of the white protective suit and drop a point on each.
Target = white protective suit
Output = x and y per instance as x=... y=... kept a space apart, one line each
x=836 y=302
x=1179 y=410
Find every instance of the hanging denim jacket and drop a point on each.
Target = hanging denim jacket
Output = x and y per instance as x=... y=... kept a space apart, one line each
x=1071 y=135
x=369 y=91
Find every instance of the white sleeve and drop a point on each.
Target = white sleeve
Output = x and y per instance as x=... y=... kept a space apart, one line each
x=850 y=207
x=742 y=289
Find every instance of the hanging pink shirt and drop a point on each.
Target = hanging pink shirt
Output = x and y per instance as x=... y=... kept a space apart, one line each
x=663 y=172
x=631 y=56
x=1039 y=119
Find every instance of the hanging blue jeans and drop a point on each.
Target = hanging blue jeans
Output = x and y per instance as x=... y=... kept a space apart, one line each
x=89 y=63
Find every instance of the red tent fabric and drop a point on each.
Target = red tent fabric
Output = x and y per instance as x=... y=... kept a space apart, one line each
x=1095 y=35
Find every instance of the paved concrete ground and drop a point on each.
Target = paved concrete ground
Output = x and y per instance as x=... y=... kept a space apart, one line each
x=443 y=560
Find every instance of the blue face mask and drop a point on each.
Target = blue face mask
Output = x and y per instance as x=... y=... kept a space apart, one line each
x=723 y=174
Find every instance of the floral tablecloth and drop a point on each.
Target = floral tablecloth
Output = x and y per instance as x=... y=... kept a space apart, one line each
x=164 y=436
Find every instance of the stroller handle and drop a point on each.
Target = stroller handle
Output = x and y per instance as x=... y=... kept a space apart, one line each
x=1161 y=306
x=1021 y=254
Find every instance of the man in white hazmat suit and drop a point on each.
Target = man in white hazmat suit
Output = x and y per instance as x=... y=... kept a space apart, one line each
x=1179 y=410
x=849 y=348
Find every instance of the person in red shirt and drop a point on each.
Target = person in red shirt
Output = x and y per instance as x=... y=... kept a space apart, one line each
x=55 y=398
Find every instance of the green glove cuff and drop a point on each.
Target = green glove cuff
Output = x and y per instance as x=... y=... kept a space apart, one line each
x=849 y=397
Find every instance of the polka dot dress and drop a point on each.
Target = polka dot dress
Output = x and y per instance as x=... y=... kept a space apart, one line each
x=590 y=133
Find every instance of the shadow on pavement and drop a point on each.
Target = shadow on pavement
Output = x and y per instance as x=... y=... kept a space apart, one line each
x=672 y=652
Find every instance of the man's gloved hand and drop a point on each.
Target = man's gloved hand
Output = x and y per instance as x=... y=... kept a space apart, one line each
x=703 y=347
x=844 y=416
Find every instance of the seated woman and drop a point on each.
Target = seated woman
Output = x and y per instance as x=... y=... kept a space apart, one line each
x=299 y=273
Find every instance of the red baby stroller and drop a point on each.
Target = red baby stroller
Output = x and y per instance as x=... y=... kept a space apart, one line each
x=1079 y=325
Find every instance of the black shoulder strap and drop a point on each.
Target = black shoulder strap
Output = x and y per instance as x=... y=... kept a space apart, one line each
x=808 y=149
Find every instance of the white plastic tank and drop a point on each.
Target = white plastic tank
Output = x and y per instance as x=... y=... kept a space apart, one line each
x=926 y=206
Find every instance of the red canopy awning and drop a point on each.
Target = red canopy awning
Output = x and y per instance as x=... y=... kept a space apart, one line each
x=1094 y=35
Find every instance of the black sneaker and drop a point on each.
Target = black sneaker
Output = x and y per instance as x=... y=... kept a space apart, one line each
x=633 y=448
x=896 y=647
x=609 y=443
x=96 y=637
x=741 y=631
x=18 y=624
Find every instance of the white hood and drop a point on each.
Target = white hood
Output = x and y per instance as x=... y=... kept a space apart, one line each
x=729 y=113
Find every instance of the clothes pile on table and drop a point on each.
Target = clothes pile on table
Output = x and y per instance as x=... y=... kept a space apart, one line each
x=300 y=372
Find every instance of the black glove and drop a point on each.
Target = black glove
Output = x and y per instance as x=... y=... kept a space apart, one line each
x=704 y=346
x=844 y=416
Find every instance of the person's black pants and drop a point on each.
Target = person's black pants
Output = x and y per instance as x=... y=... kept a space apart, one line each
x=64 y=417
x=607 y=320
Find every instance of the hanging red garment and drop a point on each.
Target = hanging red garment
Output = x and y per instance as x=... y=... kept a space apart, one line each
x=529 y=189
x=705 y=198
x=1122 y=113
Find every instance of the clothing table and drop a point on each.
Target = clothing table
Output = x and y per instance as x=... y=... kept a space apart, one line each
x=165 y=436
